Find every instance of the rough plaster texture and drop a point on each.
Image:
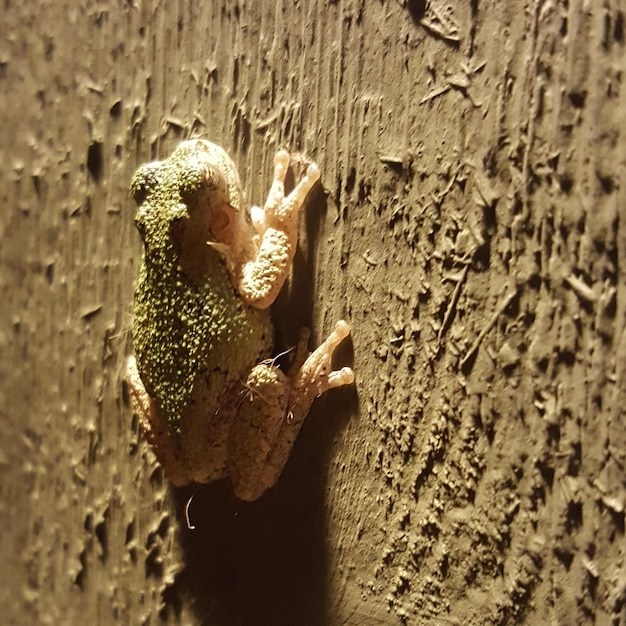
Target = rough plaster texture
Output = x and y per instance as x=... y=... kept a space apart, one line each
x=471 y=231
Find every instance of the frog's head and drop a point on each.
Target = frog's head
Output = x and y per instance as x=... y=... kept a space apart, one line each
x=178 y=199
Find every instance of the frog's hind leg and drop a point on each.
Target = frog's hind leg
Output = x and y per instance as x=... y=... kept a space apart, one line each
x=274 y=409
x=257 y=427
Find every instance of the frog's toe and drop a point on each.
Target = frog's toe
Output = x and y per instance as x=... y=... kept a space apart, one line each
x=339 y=378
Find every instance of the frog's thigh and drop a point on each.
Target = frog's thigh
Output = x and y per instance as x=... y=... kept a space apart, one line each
x=155 y=427
x=256 y=429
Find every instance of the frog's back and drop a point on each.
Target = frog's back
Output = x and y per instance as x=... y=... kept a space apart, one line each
x=188 y=318
x=182 y=331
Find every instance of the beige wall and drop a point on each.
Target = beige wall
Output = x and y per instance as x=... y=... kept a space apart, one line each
x=472 y=233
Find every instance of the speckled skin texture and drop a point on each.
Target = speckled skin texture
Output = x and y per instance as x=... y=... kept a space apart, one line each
x=210 y=405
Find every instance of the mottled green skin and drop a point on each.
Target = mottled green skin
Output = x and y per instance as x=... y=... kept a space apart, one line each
x=187 y=330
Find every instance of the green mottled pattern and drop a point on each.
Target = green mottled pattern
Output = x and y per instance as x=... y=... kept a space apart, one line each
x=181 y=328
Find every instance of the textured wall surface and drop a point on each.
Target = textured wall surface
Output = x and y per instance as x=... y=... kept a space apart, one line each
x=471 y=230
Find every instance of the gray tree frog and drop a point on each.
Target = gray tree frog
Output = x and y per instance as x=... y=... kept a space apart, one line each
x=202 y=382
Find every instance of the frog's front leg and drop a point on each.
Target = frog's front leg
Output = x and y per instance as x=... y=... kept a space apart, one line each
x=262 y=277
x=155 y=427
x=273 y=410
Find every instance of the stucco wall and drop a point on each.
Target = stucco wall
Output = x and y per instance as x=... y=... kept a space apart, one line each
x=471 y=231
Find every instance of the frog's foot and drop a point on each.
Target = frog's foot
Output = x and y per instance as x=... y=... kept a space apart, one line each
x=274 y=409
x=281 y=210
x=315 y=376
x=261 y=277
x=155 y=427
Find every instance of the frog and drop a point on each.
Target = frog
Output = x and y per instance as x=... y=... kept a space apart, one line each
x=203 y=380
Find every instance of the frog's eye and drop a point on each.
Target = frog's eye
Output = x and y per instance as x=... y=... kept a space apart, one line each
x=144 y=181
x=140 y=192
x=201 y=177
